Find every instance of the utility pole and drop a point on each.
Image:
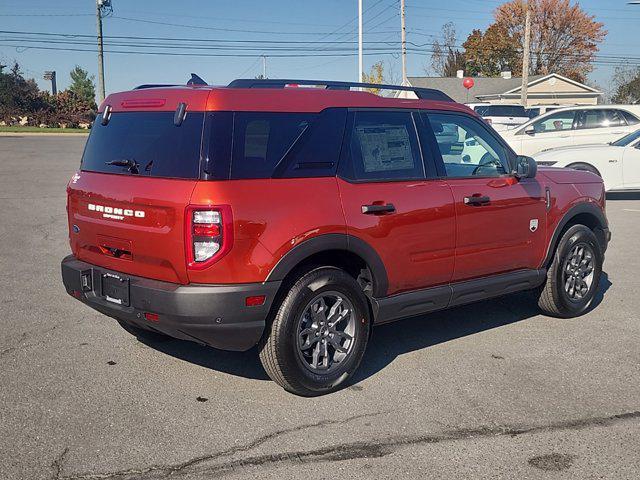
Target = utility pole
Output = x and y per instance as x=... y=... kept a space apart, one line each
x=51 y=75
x=524 y=90
x=360 y=67
x=264 y=66
x=100 y=6
x=405 y=82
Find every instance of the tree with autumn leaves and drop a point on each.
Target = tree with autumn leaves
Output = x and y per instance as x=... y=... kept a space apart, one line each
x=564 y=40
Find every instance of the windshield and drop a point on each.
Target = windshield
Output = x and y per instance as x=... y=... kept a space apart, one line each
x=145 y=143
x=627 y=139
x=501 y=111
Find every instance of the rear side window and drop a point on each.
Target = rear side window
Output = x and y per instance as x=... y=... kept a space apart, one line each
x=145 y=143
x=501 y=111
x=383 y=146
x=261 y=140
x=630 y=118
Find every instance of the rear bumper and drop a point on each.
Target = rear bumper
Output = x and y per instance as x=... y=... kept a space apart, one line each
x=214 y=315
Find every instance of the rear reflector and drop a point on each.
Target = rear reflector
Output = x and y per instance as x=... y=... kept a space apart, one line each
x=255 y=301
x=152 y=317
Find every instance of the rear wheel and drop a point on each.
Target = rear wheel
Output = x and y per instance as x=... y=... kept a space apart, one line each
x=574 y=275
x=319 y=333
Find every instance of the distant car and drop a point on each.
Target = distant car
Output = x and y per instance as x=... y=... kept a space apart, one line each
x=501 y=117
x=538 y=110
x=573 y=126
x=618 y=163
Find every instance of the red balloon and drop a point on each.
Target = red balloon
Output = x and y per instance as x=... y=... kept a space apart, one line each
x=468 y=83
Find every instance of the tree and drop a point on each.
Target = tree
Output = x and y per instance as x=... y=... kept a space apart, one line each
x=492 y=52
x=82 y=85
x=626 y=85
x=18 y=96
x=446 y=59
x=456 y=60
x=375 y=75
x=564 y=38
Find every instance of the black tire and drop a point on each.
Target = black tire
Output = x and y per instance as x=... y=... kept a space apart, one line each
x=585 y=167
x=283 y=357
x=144 y=334
x=555 y=296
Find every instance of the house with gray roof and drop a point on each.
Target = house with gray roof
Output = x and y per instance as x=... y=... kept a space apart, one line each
x=552 y=89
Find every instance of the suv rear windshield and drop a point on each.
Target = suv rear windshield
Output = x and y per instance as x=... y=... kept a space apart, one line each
x=150 y=141
x=501 y=111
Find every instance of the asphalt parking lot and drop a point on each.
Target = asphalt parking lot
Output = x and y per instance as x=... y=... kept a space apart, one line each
x=491 y=390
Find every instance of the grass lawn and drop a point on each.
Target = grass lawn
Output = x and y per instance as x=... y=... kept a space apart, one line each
x=17 y=129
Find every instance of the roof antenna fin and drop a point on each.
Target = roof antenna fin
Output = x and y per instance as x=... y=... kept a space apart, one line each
x=196 y=80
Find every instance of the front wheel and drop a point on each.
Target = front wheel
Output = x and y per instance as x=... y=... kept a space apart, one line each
x=319 y=334
x=574 y=275
x=585 y=167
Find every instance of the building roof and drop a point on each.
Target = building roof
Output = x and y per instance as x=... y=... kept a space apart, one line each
x=488 y=87
x=453 y=87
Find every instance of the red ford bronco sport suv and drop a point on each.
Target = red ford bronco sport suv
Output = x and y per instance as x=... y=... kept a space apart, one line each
x=294 y=218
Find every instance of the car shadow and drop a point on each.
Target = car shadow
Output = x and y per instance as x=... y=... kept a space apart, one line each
x=395 y=339
x=387 y=341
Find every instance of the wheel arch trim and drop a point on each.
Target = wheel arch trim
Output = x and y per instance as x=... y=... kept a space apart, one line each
x=334 y=241
x=581 y=208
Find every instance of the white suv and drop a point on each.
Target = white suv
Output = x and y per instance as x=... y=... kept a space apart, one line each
x=501 y=116
x=573 y=126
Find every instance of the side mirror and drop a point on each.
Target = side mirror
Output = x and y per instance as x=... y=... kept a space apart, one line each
x=526 y=167
x=530 y=131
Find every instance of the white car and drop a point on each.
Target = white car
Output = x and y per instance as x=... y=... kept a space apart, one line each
x=573 y=126
x=501 y=116
x=618 y=163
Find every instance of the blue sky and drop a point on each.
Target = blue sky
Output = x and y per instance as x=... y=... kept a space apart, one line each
x=309 y=25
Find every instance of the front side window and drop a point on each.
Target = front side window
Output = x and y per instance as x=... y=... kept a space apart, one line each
x=556 y=122
x=384 y=146
x=467 y=148
x=627 y=139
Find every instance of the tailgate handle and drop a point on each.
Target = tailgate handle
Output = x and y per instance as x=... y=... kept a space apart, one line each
x=116 y=252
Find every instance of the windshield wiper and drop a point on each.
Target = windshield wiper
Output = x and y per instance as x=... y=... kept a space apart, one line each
x=131 y=165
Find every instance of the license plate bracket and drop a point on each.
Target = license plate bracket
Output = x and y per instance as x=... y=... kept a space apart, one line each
x=115 y=289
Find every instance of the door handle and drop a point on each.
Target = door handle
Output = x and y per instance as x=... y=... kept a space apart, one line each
x=476 y=200
x=376 y=209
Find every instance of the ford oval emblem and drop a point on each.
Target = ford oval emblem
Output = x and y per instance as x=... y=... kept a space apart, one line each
x=76 y=229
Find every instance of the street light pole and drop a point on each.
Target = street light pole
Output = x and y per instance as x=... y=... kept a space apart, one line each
x=51 y=75
x=360 y=66
x=405 y=82
x=524 y=90
x=101 y=90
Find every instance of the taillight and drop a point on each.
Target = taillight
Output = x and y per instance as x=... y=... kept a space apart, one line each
x=209 y=234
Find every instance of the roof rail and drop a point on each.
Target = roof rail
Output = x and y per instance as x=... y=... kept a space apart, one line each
x=422 y=93
x=153 y=85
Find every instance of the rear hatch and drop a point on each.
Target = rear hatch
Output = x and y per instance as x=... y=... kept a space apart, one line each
x=503 y=116
x=127 y=204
